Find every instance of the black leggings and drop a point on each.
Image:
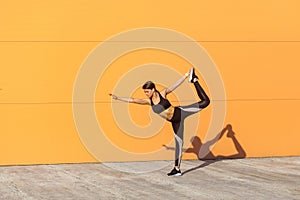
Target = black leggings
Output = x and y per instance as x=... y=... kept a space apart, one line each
x=182 y=112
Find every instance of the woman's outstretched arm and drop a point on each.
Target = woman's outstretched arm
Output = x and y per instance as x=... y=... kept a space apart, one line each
x=131 y=100
x=177 y=83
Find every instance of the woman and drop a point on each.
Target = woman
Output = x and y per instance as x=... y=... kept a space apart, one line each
x=175 y=115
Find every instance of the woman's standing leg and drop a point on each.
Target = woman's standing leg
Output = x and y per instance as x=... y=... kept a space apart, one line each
x=178 y=128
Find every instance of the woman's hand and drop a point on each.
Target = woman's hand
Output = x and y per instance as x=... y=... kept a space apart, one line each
x=113 y=96
x=188 y=73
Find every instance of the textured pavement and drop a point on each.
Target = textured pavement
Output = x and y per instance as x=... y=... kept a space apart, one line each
x=256 y=178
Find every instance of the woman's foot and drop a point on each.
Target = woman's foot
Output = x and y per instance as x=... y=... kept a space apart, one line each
x=193 y=77
x=175 y=172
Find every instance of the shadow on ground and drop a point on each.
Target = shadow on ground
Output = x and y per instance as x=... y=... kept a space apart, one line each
x=203 y=152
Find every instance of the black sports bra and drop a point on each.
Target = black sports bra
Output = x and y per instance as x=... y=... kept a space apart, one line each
x=162 y=105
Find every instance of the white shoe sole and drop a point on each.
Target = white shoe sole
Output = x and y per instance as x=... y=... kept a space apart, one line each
x=179 y=174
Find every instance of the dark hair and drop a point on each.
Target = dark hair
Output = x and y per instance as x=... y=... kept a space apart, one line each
x=149 y=85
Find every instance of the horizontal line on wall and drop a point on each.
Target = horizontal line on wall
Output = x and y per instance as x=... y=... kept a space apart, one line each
x=212 y=41
x=105 y=102
x=259 y=99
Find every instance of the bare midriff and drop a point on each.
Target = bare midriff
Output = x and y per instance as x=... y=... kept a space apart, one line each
x=168 y=113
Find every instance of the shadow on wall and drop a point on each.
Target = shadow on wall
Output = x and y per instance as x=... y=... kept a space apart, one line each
x=209 y=157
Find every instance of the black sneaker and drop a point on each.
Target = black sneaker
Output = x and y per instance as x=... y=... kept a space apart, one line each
x=175 y=172
x=192 y=76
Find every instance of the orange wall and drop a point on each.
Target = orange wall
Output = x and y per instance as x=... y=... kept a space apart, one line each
x=254 y=44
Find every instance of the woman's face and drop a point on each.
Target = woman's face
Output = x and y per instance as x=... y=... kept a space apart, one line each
x=149 y=92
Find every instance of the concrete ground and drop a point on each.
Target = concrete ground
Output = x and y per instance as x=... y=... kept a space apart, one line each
x=260 y=178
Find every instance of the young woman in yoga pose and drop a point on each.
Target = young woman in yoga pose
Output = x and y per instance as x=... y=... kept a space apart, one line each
x=174 y=114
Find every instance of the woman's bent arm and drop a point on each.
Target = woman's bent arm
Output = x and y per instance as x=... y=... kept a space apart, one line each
x=176 y=84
